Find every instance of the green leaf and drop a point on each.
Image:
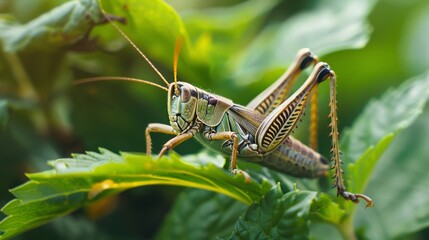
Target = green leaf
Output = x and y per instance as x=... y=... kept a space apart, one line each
x=211 y=28
x=85 y=178
x=377 y=125
x=396 y=110
x=399 y=186
x=326 y=217
x=276 y=216
x=61 y=26
x=374 y=130
x=227 y=22
x=326 y=210
x=359 y=173
x=199 y=214
x=327 y=27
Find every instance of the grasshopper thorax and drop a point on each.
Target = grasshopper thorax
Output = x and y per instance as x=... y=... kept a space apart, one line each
x=182 y=106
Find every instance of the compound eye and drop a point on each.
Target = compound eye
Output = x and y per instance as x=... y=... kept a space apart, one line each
x=185 y=95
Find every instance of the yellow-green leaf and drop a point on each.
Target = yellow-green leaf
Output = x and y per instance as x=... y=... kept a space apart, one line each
x=85 y=178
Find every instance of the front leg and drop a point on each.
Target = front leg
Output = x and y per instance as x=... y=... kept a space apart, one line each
x=175 y=141
x=158 y=128
x=167 y=129
x=231 y=136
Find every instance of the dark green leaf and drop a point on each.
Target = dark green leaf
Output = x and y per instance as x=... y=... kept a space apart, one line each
x=378 y=124
x=399 y=186
x=325 y=210
x=199 y=214
x=59 y=27
x=211 y=215
x=276 y=216
x=375 y=130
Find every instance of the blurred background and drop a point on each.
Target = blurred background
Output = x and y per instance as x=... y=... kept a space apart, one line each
x=44 y=117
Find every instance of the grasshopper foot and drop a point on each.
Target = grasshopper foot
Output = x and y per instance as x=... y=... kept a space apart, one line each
x=354 y=197
x=163 y=151
x=246 y=176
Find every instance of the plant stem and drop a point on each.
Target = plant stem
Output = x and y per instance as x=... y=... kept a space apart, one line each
x=346 y=229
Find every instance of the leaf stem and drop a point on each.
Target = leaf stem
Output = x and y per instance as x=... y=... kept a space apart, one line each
x=27 y=90
x=26 y=87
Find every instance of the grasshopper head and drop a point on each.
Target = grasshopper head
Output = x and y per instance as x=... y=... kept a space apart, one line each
x=182 y=105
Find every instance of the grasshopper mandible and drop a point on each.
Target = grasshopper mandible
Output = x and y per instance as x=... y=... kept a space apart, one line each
x=259 y=132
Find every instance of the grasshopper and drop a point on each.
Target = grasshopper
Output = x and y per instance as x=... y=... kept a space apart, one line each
x=259 y=132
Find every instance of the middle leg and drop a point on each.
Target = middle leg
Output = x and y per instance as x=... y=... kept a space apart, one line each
x=232 y=136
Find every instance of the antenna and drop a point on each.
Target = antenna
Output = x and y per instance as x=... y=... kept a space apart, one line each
x=135 y=47
x=111 y=78
x=177 y=48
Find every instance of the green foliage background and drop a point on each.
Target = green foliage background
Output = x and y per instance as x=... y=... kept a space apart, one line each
x=230 y=47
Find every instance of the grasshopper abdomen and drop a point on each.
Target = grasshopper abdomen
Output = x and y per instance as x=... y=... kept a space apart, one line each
x=297 y=159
